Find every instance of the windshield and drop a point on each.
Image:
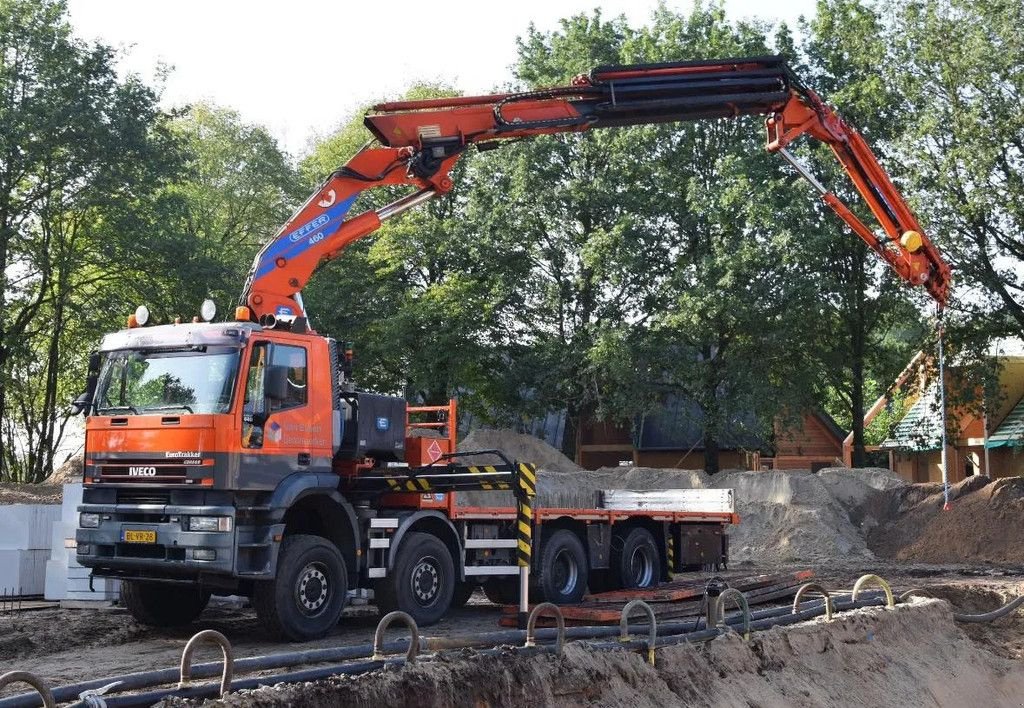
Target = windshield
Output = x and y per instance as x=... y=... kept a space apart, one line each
x=141 y=382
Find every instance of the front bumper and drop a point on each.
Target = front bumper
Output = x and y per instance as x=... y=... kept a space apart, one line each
x=173 y=555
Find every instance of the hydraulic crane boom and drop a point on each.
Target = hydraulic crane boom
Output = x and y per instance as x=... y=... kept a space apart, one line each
x=419 y=142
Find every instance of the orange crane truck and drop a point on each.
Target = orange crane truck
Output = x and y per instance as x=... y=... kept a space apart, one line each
x=238 y=456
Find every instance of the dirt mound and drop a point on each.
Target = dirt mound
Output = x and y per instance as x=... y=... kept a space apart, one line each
x=795 y=516
x=49 y=491
x=866 y=657
x=983 y=524
x=525 y=448
x=70 y=472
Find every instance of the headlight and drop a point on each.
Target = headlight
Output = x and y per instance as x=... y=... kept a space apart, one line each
x=89 y=521
x=209 y=523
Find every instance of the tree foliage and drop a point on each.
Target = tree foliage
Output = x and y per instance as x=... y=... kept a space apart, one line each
x=600 y=274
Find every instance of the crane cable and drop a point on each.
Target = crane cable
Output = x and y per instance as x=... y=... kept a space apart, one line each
x=941 y=331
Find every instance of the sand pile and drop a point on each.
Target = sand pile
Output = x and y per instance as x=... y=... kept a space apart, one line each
x=800 y=516
x=983 y=524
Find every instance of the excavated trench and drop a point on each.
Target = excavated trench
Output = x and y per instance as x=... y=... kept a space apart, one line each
x=912 y=655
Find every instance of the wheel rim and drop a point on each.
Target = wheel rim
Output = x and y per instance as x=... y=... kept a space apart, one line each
x=641 y=567
x=565 y=572
x=312 y=589
x=425 y=580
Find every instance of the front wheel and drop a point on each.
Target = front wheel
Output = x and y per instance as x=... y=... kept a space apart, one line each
x=463 y=591
x=163 y=604
x=421 y=582
x=306 y=598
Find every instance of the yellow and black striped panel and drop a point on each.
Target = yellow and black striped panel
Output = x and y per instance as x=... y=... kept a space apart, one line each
x=408 y=485
x=528 y=479
x=524 y=532
x=670 y=552
x=486 y=484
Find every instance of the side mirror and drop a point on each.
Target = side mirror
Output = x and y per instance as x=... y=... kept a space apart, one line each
x=275 y=383
x=83 y=404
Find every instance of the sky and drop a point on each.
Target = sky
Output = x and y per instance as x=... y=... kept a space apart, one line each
x=300 y=67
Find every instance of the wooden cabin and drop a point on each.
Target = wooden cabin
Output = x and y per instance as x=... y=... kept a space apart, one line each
x=992 y=445
x=672 y=437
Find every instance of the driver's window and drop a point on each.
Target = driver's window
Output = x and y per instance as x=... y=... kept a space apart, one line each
x=254 y=409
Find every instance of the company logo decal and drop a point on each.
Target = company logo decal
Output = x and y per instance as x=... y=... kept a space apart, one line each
x=328 y=199
x=142 y=471
x=274 y=432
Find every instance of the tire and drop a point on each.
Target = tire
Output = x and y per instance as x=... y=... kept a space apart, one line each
x=161 y=604
x=421 y=582
x=502 y=592
x=563 y=568
x=463 y=591
x=306 y=598
x=636 y=561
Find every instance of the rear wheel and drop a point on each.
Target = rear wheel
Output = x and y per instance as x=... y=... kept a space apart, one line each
x=463 y=591
x=162 y=604
x=422 y=581
x=306 y=598
x=502 y=591
x=636 y=561
x=563 y=568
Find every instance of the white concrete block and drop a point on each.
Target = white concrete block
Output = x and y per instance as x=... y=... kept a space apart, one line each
x=23 y=572
x=72 y=499
x=56 y=587
x=26 y=527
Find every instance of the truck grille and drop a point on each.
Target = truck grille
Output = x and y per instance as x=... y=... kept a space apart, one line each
x=143 y=496
x=142 y=472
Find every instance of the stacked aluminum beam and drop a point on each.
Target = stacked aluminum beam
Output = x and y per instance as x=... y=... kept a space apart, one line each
x=707 y=501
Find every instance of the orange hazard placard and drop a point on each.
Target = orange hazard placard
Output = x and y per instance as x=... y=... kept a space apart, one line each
x=434 y=452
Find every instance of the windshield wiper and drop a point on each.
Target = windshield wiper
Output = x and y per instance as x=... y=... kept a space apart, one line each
x=170 y=408
x=126 y=407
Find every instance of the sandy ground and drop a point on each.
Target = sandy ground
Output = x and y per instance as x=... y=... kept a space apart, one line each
x=66 y=646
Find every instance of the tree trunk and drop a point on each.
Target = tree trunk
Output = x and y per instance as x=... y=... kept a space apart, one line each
x=571 y=433
x=710 y=453
x=857 y=409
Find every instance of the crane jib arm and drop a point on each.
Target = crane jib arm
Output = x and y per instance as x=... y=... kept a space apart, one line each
x=418 y=143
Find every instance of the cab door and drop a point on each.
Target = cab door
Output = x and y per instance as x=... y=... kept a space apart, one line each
x=279 y=421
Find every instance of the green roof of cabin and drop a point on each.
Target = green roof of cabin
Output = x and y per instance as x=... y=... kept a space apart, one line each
x=1010 y=432
x=921 y=428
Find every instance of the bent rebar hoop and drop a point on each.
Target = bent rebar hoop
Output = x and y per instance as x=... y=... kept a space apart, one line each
x=818 y=588
x=211 y=637
x=741 y=600
x=890 y=601
x=32 y=680
x=531 y=625
x=624 y=626
x=385 y=622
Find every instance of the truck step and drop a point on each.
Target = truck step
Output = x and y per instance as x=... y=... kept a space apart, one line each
x=491 y=543
x=492 y=570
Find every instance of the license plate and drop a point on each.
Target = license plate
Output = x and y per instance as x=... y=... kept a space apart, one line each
x=140 y=536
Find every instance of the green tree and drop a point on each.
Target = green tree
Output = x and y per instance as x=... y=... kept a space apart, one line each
x=867 y=319
x=77 y=144
x=957 y=66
